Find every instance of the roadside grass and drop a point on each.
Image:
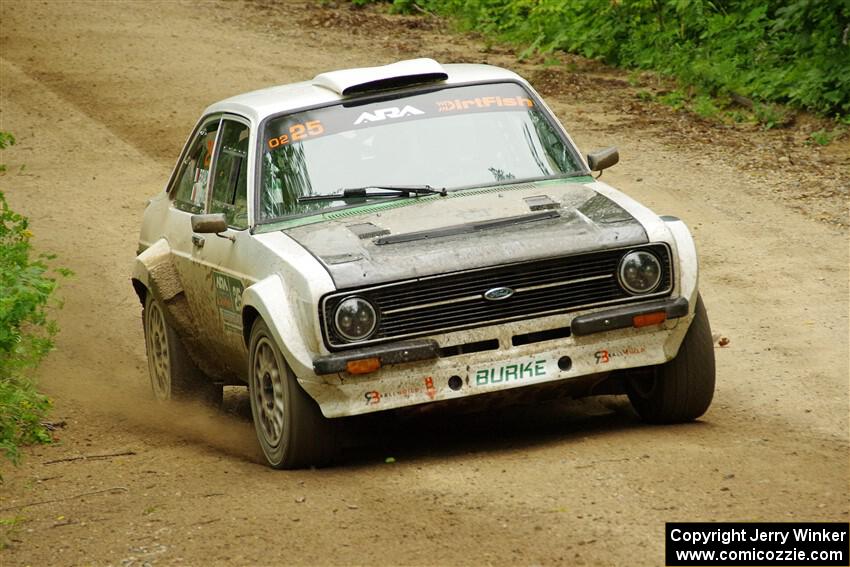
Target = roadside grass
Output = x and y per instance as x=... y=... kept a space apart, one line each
x=27 y=287
x=745 y=61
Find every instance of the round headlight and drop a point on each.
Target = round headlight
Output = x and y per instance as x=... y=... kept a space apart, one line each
x=640 y=272
x=355 y=318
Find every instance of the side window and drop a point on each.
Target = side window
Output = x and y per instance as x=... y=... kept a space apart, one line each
x=191 y=191
x=230 y=185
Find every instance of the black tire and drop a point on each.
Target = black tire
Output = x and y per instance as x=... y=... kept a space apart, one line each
x=172 y=373
x=290 y=427
x=681 y=389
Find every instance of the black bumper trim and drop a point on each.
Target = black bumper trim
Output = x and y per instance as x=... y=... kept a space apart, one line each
x=392 y=353
x=622 y=317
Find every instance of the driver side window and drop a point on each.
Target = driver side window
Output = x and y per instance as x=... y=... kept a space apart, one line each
x=192 y=182
x=230 y=183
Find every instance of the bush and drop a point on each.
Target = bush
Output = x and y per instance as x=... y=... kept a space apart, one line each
x=794 y=52
x=26 y=332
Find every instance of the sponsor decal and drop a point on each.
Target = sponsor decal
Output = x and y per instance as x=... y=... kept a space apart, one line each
x=510 y=372
x=374 y=397
x=605 y=356
x=285 y=133
x=429 y=388
x=483 y=103
x=298 y=132
x=228 y=298
x=385 y=113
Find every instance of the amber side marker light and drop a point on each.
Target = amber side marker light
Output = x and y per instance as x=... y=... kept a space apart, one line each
x=363 y=366
x=649 y=319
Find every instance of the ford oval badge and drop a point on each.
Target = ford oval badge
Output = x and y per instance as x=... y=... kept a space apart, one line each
x=498 y=293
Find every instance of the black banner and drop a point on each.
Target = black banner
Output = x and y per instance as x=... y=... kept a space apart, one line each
x=745 y=543
x=311 y=124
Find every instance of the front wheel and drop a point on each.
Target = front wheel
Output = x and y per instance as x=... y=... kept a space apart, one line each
x=291 y=429
x=681 y=389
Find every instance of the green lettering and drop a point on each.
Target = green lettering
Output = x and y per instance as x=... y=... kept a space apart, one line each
x=511 y=372
x=501 y=377
x=481 y=378
x=539 y=367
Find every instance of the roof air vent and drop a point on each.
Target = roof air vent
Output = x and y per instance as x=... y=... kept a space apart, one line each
x=393 y=76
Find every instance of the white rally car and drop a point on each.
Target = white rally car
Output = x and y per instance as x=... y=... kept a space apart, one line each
x=410 y=234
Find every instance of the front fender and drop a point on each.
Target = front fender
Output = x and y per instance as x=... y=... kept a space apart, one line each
x=688 y=261
x=285 y=316
x=154 y=270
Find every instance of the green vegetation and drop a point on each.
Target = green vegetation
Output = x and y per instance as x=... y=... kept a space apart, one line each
x=793 y=52
x=9 y=528
x=824 y=137
x=26 y=332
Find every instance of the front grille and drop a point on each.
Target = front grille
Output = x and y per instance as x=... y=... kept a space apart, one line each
x=454 y=301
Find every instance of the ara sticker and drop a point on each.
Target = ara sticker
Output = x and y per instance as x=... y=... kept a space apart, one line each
x=384 y=113
x=510 y=372
x=228 y=298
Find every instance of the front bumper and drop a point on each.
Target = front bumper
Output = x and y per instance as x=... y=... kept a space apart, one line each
x=429 y=370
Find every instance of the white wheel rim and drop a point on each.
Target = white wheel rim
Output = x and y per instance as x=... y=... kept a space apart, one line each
x=158 y=353
x=267 y=392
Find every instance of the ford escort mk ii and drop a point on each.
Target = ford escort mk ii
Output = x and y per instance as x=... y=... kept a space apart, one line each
x=410 y=234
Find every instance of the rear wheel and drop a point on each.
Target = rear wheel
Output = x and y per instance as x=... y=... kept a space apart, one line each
x=290 y=427
x=681 y=389
x=173 y=374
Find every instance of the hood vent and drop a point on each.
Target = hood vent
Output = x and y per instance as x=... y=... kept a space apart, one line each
x=541 y=203
x=367 y=230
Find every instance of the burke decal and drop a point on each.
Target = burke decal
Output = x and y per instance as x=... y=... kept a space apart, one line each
x=509 y=372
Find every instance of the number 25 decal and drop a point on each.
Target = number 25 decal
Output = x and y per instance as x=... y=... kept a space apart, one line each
x=298 y=132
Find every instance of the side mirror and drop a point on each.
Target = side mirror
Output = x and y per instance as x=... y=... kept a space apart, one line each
x=207 y=224
x=603 y=159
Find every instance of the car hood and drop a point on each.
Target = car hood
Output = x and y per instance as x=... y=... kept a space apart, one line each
x=467 y=229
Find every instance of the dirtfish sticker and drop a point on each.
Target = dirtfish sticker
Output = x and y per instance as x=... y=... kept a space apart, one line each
x=228 y=298
x=510 y=372
x=484 y=103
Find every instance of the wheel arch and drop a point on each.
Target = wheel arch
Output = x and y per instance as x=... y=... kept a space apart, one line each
x=153 y=271
x=287 y=320
x=141 y=290
x=249 y=315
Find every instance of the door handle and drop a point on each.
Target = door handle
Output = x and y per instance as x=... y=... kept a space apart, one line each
x=198 y=240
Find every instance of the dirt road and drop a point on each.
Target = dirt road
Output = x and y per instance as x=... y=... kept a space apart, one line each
x=101 y=97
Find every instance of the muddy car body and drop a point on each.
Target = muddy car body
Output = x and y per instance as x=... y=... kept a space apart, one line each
x=387 y=237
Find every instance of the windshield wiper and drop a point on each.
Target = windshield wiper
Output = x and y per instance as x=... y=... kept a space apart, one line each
x=363 y=192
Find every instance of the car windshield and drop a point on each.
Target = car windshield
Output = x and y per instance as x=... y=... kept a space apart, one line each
x=448 y=138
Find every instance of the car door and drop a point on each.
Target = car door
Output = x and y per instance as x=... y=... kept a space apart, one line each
x=188 y=194
x=221 y=263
